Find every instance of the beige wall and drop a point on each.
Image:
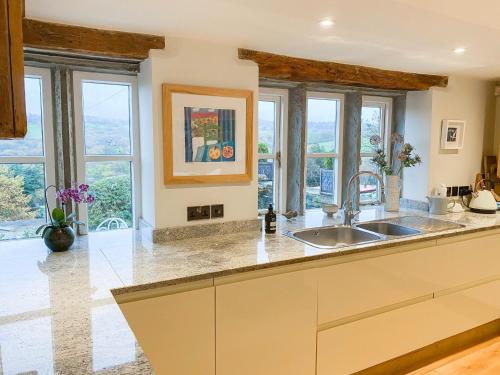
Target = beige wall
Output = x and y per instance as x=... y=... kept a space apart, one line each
x=466 y=99
x=192 y=63
x=418 y=123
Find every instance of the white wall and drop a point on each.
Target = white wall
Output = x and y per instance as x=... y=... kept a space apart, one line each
x=147 y=139
x=464 y=99
x=203 y=64
x=418 y=123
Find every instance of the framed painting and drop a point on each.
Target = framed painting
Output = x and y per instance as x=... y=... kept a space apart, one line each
x=207 y=135
x=452 y=134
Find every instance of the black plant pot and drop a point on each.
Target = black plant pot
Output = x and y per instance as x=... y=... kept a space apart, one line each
x=59 y=239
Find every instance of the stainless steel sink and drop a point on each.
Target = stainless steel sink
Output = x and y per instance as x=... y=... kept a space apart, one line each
x=333 y=237
x=388 y=229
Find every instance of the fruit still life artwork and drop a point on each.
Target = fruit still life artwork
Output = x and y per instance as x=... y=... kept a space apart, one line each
x=209 y=135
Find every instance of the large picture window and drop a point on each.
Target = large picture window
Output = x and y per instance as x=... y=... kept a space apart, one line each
x=323 y=146
x=27 y=165
x=375 y=121
x=107 y=148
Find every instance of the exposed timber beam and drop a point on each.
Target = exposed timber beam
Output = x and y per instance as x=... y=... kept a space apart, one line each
x=84 y=40
x=279 y=67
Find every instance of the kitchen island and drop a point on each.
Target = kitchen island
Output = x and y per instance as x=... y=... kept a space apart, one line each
x=58 y=312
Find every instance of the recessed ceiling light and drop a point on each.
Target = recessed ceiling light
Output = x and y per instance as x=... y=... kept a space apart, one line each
x=326 y=23
x=459 y=50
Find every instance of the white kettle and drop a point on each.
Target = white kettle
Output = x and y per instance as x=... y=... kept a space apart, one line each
x=483 y=202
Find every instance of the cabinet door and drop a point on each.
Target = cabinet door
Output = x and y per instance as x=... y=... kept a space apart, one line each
x=12 y=103
x=267 y=326
x=176 y=332
x=6 y=112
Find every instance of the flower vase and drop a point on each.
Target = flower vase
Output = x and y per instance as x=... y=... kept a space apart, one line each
x=392 y=193
x=59 y=239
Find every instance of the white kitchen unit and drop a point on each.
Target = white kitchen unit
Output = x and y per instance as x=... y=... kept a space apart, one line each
x=367 y=342
x=332 y=316
x=266 y=325
x=176 y=331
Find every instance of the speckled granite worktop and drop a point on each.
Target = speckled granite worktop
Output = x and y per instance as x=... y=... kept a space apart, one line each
x=57 y=312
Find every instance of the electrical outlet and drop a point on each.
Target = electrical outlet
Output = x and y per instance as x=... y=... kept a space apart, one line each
x=463 y=191
x=454 y=191
x=217 y=210
x=198 y=213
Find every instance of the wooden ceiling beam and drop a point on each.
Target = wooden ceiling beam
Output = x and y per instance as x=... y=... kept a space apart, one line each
x=285 y=68
x=84 y=40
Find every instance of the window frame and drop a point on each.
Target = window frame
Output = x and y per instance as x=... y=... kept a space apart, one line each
x=280 y=99
x=134 y=157
x=384 y=103
x=337 y=156
x=48 y=157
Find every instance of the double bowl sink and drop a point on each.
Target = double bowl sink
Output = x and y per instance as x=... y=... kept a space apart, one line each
x=362 y=233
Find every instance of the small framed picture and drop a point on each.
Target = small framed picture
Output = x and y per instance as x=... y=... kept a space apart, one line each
x=452 y=134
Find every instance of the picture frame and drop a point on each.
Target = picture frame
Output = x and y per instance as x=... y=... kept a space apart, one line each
x=207 y=135
x=452 y=134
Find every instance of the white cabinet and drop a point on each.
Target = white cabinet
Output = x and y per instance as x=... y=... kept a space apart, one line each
x=267 y=325
x=352 y=288
x=462 y=261
x=367 y=342
x=176 y=331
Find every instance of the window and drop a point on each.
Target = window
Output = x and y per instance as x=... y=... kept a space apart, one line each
x=375 y=121
x=270 y=146
x=27 y=165
x=323 y=145
x=107 y=148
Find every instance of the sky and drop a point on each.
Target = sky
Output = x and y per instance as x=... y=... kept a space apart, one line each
x=319 y=110
x=103 y=100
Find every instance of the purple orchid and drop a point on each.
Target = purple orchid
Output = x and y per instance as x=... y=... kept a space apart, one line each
x=77 y=194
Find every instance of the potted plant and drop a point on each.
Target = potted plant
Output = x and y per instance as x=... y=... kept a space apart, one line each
x=59 y=235
x=405 y=153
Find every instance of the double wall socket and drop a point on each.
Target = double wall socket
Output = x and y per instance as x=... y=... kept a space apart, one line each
x=205 y=212
x=457 y=191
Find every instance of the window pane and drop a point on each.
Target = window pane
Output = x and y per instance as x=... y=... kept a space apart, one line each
x=369 y=185
x=266 y=183
x=267 y=127
x=111 y=184
x=106 y=113
x=371 y=124
x=320 y=182
x=22 y=207
x=32 y=144
x=321 y=125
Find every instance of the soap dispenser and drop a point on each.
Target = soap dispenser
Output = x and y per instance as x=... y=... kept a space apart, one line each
x=270 y=220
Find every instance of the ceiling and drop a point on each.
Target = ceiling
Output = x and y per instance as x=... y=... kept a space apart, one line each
x=408 y=35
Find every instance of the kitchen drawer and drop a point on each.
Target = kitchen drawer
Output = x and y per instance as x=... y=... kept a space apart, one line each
x=352 y=288
x=464 y=261
x=364 y=343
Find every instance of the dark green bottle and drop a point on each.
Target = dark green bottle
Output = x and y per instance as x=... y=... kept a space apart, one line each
x=270 y=220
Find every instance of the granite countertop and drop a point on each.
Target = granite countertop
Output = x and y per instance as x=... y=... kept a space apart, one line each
x=58 y=314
